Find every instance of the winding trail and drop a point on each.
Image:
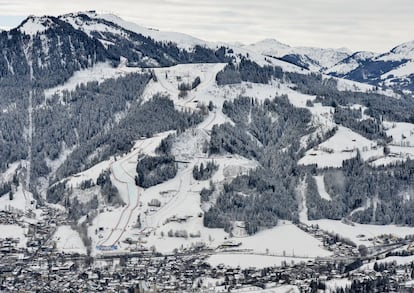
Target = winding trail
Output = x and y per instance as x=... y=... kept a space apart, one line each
x=123 y=178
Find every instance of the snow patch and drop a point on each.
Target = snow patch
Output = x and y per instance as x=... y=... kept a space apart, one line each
x=68 y=240
x=321 y=188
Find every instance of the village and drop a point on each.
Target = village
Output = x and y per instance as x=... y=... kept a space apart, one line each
x=39 y=266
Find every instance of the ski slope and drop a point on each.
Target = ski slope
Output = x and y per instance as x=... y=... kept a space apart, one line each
x=22 y=201
x=114 y=224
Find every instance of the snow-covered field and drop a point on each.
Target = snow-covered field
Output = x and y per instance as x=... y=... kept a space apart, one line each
x=284 y=243
x=402 y=133
x=284 y=239
x=14 y=231
x=342 y=146
x=22 y=201
x=361 y=233
x=68 y=240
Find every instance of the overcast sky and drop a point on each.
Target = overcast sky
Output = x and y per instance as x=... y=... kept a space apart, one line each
x=375 y=25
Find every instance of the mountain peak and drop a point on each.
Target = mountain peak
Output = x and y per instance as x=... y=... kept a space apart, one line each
x=95 y=21
x=404 y=49
x=270 y=42
x=315 y=58
x=33 y=25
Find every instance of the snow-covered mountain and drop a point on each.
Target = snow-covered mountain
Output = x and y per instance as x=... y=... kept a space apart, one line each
x=350 y=63
x=91 y=21
x=85 y=98
x=393 y=69
x=315 y=59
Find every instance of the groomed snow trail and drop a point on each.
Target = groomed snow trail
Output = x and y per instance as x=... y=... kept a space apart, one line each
x=122 y=179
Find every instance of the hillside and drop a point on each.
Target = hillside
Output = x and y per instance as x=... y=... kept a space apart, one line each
x=153 y=140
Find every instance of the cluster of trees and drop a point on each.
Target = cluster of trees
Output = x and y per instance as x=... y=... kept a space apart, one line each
x=355 y=185
x=141 y=120
x=188 y=87
x=271 y=136
x=318 y=207
x=12 y=124
x=166 y=145
x=247 y=70
x=77 y=209
x=5 y=188
x=155 y=170
x=381 y=284
x=62 y=194
x=379 y=190
x=369 y=128
x=185 y=87
x=86 y=114
x=178 y=233
x=205 y=172
x=57 y=192
x=109 y=192
x=205 y=193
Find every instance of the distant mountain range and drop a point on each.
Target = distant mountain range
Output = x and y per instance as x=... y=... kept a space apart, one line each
x=393 y=69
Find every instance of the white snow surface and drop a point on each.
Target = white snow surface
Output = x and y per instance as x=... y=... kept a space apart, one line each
x=22 y=202
x=324 y=57
x=342 y=146
x=349 y=64
x=401 y=52
x=402 y=133
x=179 y=197
x=284 y=239
x=321 y=187
x=14 y=231
x=68 y=240
x=368 y=231
x=35 y=25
